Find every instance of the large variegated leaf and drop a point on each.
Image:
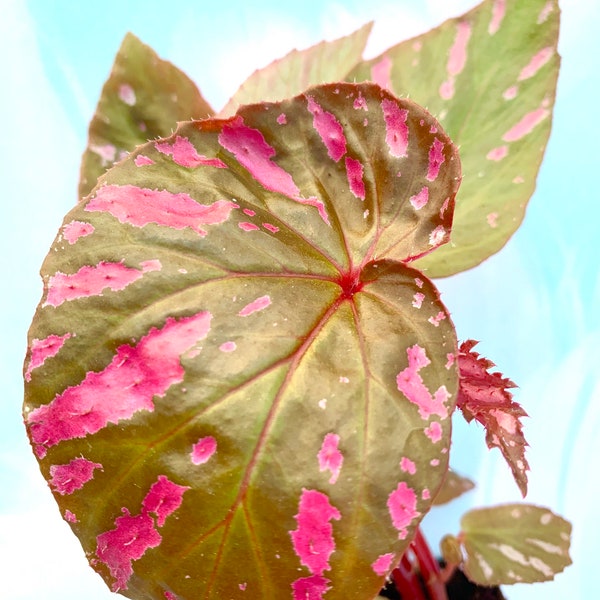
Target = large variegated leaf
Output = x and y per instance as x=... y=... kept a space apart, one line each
x=229 y=330
x=143 y=98
x=514 y=543
x=298 y=70
x=490 y=77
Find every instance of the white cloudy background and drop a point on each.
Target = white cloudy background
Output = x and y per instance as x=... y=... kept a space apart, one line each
x=534 y=306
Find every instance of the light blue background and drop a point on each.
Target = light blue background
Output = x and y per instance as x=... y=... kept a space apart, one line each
x=534 y=306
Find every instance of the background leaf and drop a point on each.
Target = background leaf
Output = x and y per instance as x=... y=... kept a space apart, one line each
x=324 y=62
x=490 y=78
x=454 y=485
x=514 y=543
x=143 y=98
x=228 y=331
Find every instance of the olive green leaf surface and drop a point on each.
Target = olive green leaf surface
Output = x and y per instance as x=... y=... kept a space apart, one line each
x=514 y=543
x=324 y=62
x=489 y=76
x=236 y=386
x=143 y=99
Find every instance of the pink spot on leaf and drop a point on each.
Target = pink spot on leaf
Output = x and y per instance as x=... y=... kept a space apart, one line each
x=127 y=94
x=492 y=219
x=65 y=479
x=270 y=227
x=418 y=201
x=141 y=160
x=536 y=63
x=360 y=103
x=163 y=499
x=228 y=347
x=252 y=151
x=381 y=73
x=249 y=212
x=437 y=319
x=170 y=596
x=255 y=306
x=407 y=465
x=438 y=236
x=246 y=226
x=396 y=128
x=282 y=119
x=526 y=124
x=185 y=154
x=44 y=349
x=402 y=506
x=313 y=538
x=434 y=432
x=382 y=566
x=329 y=129
x=456 y=59
x=330 y=457
x=447 y=89
x=140 y=206
x=498 y=153
x=498 y=12
x=425 y=494
x=354 y=172
x=71 y=517
x=128 y=384
x=107 y=153
x=418 y=300
x=511 y=92
x=77 y=229
x=436 y=158
x=203 y=449
x=310 y=588
x=411 y=384
x=545 y=12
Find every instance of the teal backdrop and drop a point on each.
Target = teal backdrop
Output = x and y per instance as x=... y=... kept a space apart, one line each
x=534 y=306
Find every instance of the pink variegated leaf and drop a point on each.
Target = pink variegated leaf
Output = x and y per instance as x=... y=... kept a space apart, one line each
x=229 y=327
x=484 y=396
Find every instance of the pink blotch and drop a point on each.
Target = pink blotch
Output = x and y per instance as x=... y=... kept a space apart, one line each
x=310 y=588
x=65 y=479
x=44 y=349
x=505 y=421
x=526 y=124
x=254 y=306
x=382 y=566
x=381 y=72
x=140 y=206
x=282 y=119
x=536 y=63
x=436 y=158
x=141 y=160
x=408 y=466
x=360 y=103
x=418 y=282
x=545 y=12
x=418 y=201
x=518 y=179
x=330 y=457
x=411 y=384
x=127 y=385
x=444 y=207
x=270 y=227
x=246 y=226
x=458 y=52
x=170 y=596
x=511 y=92
x=127 y=94
x=447 y=89
x=434 y=432
x=437 y=236
x=329 y=129
x=107 y=152
x=185 y=154
x=418 y=300
x=228 y=347
x=354 y=172
x=402 y=506
x=77 y=229
x=498 y=153
x=71 y=517
x=242 y=586
x=249 y=212
x=437 y=319
x=498 y=12
x=134 y=535
x=396 y=128
x=252 y=151
x=90 y=281
x=313 y=537
x=417 y=46
x=434 y=462
x=425 y=494
x=450 y=359
x=492 y=220
x=203 y=450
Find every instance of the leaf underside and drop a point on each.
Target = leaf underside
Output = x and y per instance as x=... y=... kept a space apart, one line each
x=143 y=98
x=229 y=328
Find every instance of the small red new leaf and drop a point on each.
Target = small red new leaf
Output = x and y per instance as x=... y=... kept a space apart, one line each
x=484 y=396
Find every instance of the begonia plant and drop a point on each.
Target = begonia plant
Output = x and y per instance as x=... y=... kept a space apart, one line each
x=240 y=379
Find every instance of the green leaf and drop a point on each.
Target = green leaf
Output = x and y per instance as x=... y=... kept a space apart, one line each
x=229 y=330
x=298 y=70
x=514 y=543
x=454 y=485
x=143 y=98
x=490 y=78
